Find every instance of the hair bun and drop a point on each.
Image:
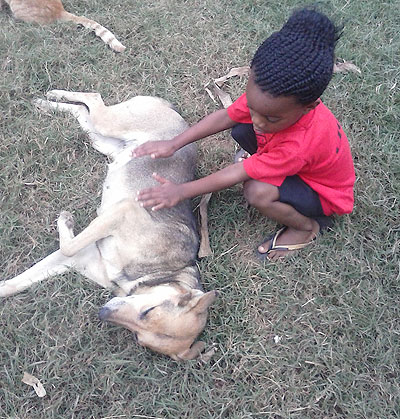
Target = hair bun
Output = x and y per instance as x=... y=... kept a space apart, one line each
x=312 y=26
x=298 y=59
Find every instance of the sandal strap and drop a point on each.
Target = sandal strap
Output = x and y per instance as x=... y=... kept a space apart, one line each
x=273 y=246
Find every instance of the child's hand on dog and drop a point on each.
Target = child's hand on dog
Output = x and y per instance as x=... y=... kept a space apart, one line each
x=167 y=195
x=155 y=149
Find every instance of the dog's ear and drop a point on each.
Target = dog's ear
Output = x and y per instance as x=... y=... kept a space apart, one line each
x=199 y=304
x=185 y=299
x=202 y=304
x=193 y=352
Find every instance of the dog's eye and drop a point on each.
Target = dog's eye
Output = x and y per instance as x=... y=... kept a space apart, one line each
x=143 y=314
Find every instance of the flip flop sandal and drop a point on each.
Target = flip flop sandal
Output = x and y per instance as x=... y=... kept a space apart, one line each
x=287 y=247
x=272 y=239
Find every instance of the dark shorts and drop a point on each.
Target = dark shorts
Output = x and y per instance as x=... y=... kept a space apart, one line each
x=293 y=191
x=245 y=136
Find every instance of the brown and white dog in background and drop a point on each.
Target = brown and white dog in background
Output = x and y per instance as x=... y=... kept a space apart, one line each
x=45 y=12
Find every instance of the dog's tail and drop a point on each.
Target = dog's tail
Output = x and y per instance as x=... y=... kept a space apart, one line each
x=106 y=35
x=54 y=264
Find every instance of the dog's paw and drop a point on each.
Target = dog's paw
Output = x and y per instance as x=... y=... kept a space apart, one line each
x=55 y=94
x=7 y=289
x=193 y=352
x=66 y=219
x=41 y=104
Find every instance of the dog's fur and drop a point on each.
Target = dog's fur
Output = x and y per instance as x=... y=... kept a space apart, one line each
x=45 y=12
x=147 y=258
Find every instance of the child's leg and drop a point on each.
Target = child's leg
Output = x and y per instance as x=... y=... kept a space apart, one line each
x=304 y=199
x=268 y=199
x=245 y=136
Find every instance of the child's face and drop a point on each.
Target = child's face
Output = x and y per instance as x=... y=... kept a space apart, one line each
x=272 y=114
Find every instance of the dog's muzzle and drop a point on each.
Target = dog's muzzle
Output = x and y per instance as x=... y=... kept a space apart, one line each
x=109 y=307
x=104 y=313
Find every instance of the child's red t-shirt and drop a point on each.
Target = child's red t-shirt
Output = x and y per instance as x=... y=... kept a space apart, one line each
x=315 y=148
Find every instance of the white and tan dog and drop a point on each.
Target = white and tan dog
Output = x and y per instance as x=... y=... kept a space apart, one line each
x=147 y=258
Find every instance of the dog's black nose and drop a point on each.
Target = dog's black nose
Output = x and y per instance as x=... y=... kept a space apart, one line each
x=104 y=313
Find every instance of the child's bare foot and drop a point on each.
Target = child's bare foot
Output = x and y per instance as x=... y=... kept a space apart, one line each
x=287 y=240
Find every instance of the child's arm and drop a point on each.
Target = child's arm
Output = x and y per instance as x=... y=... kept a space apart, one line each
x=169 y=194
x=211 y=124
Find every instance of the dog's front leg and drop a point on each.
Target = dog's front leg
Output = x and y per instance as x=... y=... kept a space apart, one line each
x=71 y=245
x=65 y=224
x=82 y=249
x=102 y=226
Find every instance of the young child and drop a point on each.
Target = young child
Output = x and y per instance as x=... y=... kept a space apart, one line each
x=300 y=170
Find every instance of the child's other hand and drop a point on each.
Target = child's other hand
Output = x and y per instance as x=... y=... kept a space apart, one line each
x=155 y=149
x=166 y=195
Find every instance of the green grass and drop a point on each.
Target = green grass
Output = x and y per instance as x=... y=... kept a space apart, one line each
x=335 y=306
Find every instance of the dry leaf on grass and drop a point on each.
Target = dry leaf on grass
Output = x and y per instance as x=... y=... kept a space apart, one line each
x=233 y=72
x=213 y=88
x=205 y=249
x=206 y=356
x=35 y=383
x=224 y=97
x=343 y=66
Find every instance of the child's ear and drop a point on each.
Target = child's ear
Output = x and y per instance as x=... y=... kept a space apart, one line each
x=310 y=106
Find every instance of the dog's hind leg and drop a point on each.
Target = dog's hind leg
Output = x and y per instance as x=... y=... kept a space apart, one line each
x=54 y=264
x=96 y=119
x=79 y=111
x=105 y=145
x=92 y=101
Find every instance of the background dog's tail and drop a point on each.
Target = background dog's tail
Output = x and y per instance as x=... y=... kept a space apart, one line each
x=106 y=35
x=54 y=264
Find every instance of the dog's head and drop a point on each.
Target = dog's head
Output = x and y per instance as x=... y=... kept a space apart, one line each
x=164 y=319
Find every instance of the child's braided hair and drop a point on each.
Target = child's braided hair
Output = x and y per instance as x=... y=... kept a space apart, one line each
x=298 y=60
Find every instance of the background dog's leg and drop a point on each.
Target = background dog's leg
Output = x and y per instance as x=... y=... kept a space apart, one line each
x=54 y=264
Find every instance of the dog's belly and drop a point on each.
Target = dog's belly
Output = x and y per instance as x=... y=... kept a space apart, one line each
x=126 y=176
x=146 y=243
